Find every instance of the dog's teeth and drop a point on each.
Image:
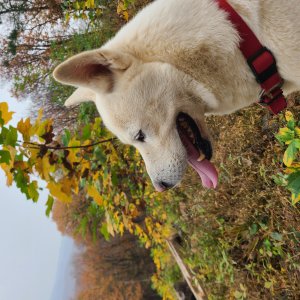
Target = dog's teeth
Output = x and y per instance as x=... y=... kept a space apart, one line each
x=201 y=157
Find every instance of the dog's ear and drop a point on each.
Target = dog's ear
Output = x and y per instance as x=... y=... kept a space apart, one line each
x=81 y=95
x=93 y=69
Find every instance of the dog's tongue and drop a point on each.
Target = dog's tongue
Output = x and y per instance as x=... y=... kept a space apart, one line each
x=206 y=171
x=204 y=168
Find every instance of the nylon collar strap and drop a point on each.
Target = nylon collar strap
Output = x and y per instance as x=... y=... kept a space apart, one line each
x=261 y=61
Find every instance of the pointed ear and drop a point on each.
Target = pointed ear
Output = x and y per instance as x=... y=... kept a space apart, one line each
x=81 y=95
x=92 y=69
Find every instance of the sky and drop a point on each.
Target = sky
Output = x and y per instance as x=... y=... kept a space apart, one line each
x=33 y=254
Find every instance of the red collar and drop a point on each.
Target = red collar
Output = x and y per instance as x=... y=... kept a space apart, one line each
x=261 y=61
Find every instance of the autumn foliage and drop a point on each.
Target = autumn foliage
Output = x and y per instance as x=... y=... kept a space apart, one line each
x=119 y=269
x=90 y=165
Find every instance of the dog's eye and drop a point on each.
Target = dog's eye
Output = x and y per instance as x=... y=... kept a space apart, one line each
x=140 y=136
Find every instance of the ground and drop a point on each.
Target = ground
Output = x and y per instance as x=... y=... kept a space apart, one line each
x=243 y=240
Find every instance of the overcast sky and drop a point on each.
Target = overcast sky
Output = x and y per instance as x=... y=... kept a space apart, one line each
x=30 y=243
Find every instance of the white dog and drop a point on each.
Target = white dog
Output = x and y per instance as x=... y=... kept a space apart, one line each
x=176 y=61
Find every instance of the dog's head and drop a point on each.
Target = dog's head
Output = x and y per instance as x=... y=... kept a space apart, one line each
x=147 y=105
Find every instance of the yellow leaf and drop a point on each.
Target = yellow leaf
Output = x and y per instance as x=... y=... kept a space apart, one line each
x=74 y=143
x=148 y=244
x=33 y=153
x=93 y=192
x=120 y=8
x=43 y=167
x=68 y=184
x=56 y=191
x=5 y=114
x=43 y=127
x=287 y=159
x=121 y=228
x=46 y=167
x=109 y=224
x=76 y=5
x=36 y=126
x=295 y=199
x=9 y=176
x=90 y=4
x=164 y=216
x=7 y=167
x=289 y=116
x=84 y=16
x=117 y=199
x=297 y=130
x=98 y=11
x=126 y=16
x=67 y=17
x=40 y=115
x=72 y=156
x=24 y=129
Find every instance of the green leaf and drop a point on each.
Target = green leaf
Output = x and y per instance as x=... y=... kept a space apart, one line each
x=99 y=155
x=11 y=137
x=267 y=244
x=291 y=125
x=49 y=205
x=86 y=132
x=21 y=182
x=33 y=191
x=1 y=120
x=104 y=231
x=290 y=153
x=19 y=157
x=297 y=143
x=285 y=135
x=66 y=138
x=83 y=226
x=114 y=178
x=276 y=236
x=3 y=135
x=253 y=229
x=5 y=156
x=268 y=284
x=294 y=182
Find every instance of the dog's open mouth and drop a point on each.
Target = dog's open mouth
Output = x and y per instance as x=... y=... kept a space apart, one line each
x=199 y=150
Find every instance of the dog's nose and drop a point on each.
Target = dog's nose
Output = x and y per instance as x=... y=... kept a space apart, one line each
x=166 y=185
x=161 y=186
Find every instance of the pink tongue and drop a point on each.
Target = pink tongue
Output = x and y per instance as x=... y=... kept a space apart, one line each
x=206 y=171
x=205 y=168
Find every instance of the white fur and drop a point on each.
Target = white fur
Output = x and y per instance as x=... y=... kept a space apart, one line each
x=178 y=56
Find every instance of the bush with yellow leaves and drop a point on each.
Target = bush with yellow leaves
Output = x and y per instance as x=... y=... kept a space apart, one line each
x=106 y=172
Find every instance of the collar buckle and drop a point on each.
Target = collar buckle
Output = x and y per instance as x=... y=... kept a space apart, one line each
x=270 y=94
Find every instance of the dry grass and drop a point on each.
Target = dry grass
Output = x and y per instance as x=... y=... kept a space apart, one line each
x=243 y=240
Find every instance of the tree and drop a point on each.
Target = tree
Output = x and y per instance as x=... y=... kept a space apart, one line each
x=109 y=178
x=118 y=269
x=25 y=50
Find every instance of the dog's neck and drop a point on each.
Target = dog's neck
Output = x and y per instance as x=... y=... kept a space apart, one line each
x=205 y=48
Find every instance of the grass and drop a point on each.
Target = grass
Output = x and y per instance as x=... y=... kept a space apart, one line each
x=243 y=240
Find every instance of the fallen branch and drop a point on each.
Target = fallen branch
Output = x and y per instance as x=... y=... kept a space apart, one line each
x=193 y=284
